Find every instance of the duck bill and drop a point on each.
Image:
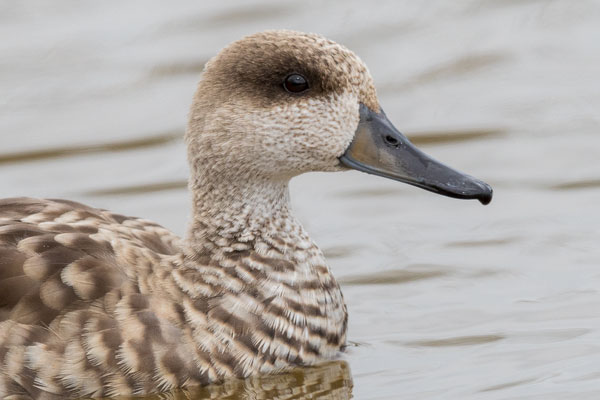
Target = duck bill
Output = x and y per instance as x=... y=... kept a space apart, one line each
x=379 y=148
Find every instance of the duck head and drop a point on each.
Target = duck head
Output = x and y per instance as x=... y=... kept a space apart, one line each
x=280 y=103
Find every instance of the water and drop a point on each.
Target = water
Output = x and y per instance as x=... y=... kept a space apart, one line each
x=447 y=299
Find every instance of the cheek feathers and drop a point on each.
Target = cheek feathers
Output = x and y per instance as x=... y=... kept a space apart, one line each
x=320 y=129
x=285 y=139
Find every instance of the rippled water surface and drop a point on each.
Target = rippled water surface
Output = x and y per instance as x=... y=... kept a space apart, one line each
x=447 y=299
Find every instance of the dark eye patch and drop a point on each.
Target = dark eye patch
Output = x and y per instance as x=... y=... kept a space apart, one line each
x=262 y=72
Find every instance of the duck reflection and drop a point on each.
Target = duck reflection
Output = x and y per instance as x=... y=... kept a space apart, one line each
x=328 y=381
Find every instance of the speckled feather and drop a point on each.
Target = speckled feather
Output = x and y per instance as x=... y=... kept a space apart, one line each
x=95 y=304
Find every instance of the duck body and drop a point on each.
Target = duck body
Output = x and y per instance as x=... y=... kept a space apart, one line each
x=95 y=304
x=100 y=304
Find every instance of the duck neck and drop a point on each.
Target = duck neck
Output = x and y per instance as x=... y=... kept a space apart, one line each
x=245 y=244
x=238 y=211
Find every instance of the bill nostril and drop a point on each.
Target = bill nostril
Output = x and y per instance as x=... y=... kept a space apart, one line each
x=392 y=141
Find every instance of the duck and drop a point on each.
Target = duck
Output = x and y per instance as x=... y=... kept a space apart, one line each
x=96 y=304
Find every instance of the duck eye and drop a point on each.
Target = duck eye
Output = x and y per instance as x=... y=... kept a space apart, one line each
x=295 y=83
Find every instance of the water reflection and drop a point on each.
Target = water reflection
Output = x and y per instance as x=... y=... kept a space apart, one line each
x=329 y=381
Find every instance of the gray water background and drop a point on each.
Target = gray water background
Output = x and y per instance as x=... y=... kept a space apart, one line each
x=447 y=299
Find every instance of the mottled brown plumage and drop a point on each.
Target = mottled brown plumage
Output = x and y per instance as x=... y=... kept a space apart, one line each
x=98 y=304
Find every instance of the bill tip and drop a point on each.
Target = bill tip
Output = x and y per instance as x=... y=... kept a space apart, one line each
x=486 y=196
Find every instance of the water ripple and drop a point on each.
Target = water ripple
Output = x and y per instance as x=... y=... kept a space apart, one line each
x=139 y=189
x=576 y=185
x=68 y=151
x=457 y=341
x=391 y=277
